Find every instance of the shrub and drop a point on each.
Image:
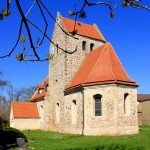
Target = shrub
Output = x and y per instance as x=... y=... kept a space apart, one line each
x=8 y=135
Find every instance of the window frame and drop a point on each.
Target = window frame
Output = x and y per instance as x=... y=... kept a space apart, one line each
x=98 y=97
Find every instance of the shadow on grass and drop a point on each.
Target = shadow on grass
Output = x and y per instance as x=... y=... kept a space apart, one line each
x=8 y=137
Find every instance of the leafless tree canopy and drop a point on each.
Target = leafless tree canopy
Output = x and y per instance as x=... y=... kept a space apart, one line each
x=45 y=12
x=3 y=83
x=21 y=94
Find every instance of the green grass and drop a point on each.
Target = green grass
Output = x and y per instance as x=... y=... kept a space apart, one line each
x=47 y=140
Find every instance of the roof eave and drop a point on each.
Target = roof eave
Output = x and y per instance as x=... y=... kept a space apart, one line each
x=102 y=83
x=102 y=40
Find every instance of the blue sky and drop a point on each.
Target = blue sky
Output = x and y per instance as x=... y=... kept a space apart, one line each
x=129 y=34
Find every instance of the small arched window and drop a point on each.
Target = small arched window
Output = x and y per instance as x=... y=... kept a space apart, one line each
x=57 y=48
x=84 y=45
x=91 y=46
x=57 y=113
x=98 y=104
x=126 y=104
x=74 y=112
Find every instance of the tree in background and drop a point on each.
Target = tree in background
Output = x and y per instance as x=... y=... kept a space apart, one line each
x=4 y=111
x=3 y=83
x=21 y=94
x=31 y=54
x=4 y=104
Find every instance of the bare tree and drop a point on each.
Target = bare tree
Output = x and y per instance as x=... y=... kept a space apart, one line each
x=44 y=13
x=3 y=83
x=21 y=94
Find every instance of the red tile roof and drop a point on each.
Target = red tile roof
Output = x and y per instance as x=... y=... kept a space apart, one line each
x=83 y=29
x=25 y=110
x=143 y=97
x=40 y=96
x=101 y=66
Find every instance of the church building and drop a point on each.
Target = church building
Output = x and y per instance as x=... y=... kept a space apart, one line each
x=89 y=91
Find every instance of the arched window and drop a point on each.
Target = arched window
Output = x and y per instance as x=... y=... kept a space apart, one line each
x=126 y=104
x=74 y=112
x=84 y=45
x=91 y=46
x=98 y=104
x=57 y=113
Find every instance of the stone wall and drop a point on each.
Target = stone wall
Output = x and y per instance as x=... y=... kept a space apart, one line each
x=73 y=122
x=40 y=106
x=113 y=120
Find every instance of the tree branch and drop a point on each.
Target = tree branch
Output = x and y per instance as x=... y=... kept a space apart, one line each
x=66 y=51
x=27 y=28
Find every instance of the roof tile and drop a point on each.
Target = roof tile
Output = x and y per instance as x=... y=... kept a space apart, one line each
x=101 y=66
x=82 y=29
x=25 y=110
x=143 y=97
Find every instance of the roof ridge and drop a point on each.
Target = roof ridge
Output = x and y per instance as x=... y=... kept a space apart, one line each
x=96 y=27
x=121 y=64
x=96 y=61
x=111 y=65
x=78 y=21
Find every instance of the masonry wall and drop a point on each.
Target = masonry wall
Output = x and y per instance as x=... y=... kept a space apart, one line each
x=62 y=69
x=73 y=114
x=40 y=106
x=113 y=120
x=143 y=115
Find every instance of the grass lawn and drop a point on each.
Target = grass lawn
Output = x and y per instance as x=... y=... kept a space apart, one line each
x=47 y=140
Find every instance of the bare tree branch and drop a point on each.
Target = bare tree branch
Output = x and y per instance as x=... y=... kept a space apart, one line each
x=27 y=28
x=44 y=11
x=66 y=51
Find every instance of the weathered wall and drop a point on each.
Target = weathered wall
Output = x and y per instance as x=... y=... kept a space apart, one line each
x=139 y=109
x=27 y=123
x=40 y=106
x=144 y=117
x=73 y=122
x=113 y=120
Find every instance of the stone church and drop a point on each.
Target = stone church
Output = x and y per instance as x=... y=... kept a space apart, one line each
x=89 y=91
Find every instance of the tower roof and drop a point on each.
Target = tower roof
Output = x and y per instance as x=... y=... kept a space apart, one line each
x=83 y=29
x=101 y=66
